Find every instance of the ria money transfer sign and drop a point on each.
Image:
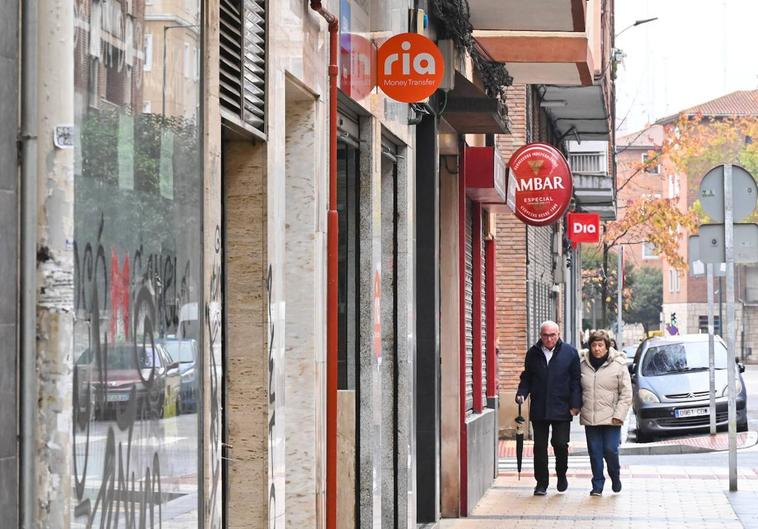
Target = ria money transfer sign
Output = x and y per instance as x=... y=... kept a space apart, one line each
x=539 y=184
x=410 y=67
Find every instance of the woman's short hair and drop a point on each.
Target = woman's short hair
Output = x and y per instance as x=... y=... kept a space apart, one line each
x=600 y=336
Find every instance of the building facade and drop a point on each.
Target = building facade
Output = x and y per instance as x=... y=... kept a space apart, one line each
x=250 y=289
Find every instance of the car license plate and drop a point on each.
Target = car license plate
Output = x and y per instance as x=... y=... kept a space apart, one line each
x=117 y=397
x=690 y=412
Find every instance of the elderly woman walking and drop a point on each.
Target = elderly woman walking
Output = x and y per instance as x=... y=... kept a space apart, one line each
x=606 y=397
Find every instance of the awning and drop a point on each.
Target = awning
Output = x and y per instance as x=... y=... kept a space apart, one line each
x=470 y=111
x=528 y=15
x=578 y=112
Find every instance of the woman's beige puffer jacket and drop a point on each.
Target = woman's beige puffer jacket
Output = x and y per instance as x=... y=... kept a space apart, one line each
x=607 y=392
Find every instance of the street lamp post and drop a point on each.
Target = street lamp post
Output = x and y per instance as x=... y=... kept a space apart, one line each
x=163 y=82
x=635 y=24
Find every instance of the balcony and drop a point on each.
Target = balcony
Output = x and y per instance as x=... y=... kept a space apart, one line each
x=594 y=189
x=541 y=57
x=541 y=41
x=528 y=15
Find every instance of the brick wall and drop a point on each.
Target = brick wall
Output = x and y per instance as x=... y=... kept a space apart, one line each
x=510 y=266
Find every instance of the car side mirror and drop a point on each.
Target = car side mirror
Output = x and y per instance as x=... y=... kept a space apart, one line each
x=174 y=365
x=631 y=369
x=741 y=367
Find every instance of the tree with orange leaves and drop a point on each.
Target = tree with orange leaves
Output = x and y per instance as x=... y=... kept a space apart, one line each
x=693 y=144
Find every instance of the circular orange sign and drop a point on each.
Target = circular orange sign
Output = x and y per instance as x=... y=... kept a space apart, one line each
x=410 y=67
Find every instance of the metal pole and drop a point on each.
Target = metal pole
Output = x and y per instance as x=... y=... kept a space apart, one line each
x=721 y=303
x=711 y=358
x=732 y=327
x=619 y=302
x=28 y=320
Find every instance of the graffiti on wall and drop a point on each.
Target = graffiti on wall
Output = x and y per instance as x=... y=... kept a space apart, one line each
x=129 y=392
x=213 y=322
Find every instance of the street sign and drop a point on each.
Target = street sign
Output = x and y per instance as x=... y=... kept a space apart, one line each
x=697 y=266
x=744 y=193
x=541 y=184
x=583 y=227
x=712 y=247
x=410 y=67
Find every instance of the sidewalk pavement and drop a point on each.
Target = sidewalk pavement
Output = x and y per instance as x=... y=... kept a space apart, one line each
x=681 y=445
x=649 y=500
x=654 y=496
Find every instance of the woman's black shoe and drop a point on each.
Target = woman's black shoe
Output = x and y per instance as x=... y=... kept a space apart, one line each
x=616 y=485
x=540 y=491
x=594 y=492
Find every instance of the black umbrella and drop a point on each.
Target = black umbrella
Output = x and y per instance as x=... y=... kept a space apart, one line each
x=519 y=440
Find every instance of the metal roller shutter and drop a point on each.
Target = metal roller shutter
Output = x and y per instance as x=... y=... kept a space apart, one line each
x=469 y=307
x=242 y=68
x=484 y=311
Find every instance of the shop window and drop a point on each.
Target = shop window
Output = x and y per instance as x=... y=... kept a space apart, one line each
x=348 y=289
x=138 y=287
x=703 y=324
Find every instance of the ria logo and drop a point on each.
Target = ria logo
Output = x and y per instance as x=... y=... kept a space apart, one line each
x=410 y=67
x=423 y=63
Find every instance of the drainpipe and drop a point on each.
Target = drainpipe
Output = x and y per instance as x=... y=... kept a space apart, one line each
x=28 y=318
x=331 y=276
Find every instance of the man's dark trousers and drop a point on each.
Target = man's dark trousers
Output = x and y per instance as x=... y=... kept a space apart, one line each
x=559 y=440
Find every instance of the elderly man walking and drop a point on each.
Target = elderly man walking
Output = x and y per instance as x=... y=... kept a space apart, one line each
x=552 y=378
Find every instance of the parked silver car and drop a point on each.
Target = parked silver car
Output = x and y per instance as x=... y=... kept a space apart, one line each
x=670 y=383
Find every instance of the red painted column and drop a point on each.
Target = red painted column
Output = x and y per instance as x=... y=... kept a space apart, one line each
x=462 y=327
x=491 y=325
x=476 y=285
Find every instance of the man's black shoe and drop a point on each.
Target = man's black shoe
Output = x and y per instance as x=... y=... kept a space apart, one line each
x=563 y=484
x=540 y=491
x=595 y=492
x=616 y=485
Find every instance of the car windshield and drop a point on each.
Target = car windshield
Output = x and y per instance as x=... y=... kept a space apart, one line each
x=630 y=351
x=121 y=357
x=182 y=350
x=672 y=358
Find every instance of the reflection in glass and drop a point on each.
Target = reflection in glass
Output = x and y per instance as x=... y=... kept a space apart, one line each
x=681 y=358
x=137 y=258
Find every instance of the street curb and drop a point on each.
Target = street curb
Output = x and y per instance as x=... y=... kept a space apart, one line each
x=633 y=449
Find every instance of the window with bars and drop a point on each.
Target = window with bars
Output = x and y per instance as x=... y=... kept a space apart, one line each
x=242 y=68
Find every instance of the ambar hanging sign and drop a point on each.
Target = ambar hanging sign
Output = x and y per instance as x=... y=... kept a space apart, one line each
x=539 y=183
x=410 y=67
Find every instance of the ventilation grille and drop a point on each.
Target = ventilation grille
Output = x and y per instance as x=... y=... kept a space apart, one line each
x=242 y=69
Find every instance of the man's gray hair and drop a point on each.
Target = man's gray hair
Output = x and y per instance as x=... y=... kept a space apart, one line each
x=549 y=323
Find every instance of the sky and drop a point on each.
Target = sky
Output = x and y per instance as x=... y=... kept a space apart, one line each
x=696 y=51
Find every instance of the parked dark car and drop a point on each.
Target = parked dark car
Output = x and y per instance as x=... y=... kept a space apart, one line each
x=670 y=381
x=185 y=352
x=128 y=367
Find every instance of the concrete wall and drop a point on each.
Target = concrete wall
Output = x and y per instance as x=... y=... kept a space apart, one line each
x=9 y=227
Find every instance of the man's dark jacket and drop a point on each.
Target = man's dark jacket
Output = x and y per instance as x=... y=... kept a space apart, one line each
x=555 y=388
